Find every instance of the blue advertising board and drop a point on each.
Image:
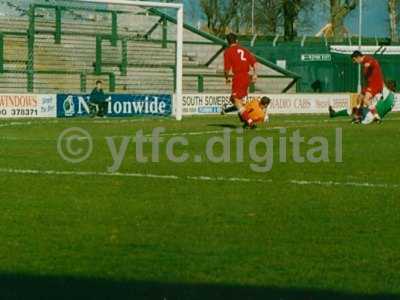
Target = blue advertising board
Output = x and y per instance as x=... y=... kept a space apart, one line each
x=118 y=105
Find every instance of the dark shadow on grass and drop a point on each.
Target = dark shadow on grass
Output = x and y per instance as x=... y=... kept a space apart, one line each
x=14 y=286
x=232 y=126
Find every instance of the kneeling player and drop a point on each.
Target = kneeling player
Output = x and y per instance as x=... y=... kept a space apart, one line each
x=257 y=112
x=382 y=108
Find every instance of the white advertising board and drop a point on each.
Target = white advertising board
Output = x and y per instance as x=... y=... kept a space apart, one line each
x=198 y=104
x=28 y=106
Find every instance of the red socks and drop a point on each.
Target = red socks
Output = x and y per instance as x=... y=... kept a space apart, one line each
x=246 y=118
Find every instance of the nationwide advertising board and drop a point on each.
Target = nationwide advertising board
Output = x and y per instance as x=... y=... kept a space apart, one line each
x=118 y=105
x=198 y=104
x=28 y=106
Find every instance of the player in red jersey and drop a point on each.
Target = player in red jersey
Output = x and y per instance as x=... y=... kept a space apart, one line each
x=240 y=62
x=374 y=83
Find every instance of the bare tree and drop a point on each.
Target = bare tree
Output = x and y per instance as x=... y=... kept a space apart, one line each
x=267 y=16
x=291 y=10
x=272 y=15
x=393 y=6
x=339 y=9
x=242 y=23
x=219 y=14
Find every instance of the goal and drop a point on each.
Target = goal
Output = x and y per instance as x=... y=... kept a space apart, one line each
x=177 y=10
x=66 y=46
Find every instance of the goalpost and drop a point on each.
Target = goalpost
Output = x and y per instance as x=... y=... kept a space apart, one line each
x=178 y=7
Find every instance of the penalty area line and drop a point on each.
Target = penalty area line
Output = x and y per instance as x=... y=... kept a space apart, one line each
x=196 y=178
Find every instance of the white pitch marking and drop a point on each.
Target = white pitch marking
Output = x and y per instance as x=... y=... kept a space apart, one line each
x=314 y=121
x=32 y=139
x=194 y=133
x=13 y=124
x=194 y=178
x=84 y=173
x=357 y=184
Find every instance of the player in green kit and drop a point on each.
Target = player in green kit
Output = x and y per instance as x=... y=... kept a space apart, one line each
x=383 y=107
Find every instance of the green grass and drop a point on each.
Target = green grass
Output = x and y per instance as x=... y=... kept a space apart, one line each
x=101 y=237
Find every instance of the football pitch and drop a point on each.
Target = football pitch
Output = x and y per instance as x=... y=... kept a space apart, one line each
x=144 y=223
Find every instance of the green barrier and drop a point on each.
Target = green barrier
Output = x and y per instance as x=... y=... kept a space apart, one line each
x=57 y=34
x=164 y=33
x=124 y=63
x=31 y=28
x=215 y=56
x=112 y=82
x=98 y=55
x=151 y=30
x=252 y=87
x=114 y=28
x=31 y=50
x=200 y=83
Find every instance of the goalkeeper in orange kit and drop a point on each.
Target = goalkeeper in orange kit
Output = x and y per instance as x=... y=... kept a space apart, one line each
x=256 y=112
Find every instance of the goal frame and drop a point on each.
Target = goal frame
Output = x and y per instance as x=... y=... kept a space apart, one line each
x=177 y=104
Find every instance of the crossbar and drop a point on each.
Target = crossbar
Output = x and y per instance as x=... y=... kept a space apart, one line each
x=135 y=3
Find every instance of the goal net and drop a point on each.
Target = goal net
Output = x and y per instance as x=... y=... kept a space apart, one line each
x=133 y=47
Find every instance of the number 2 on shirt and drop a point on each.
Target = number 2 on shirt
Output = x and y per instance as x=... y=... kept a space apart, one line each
x=241 y=53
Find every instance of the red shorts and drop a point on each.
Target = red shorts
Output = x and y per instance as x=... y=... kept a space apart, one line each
x=373 y=89
x=240 y=85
